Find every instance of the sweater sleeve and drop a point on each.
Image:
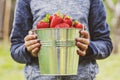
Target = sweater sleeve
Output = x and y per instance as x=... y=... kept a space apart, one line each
x=100 y=44
x=21 y=25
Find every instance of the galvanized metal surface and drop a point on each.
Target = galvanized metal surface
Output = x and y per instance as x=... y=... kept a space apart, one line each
x=58 y=52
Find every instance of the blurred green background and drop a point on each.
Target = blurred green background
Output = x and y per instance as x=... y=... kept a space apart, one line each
x=10 y=70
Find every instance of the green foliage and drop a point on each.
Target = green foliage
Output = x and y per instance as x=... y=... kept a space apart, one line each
x=115 y=1
x=109 y=68
x=9 y=69
x=109 y=13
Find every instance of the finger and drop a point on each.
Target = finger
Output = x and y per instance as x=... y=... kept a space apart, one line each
x=30 y=37
x=31 y=42
x=35 y=52
x=82 y=53
x=84 y=27
x=81 y=46
x=85 y=34
x=83 y=40
x=30 y=48
x=31 y=32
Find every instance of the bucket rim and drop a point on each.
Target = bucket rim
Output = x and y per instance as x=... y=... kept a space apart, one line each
x=54 y=29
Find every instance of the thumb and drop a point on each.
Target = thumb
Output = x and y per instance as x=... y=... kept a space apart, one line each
x=31 y=32
x=85 y=34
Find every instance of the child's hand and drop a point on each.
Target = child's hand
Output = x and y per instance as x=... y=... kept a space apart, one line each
x=82 y=43
x=32 y=44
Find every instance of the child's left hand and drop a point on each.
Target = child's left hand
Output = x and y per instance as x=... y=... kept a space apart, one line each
x=83 y=42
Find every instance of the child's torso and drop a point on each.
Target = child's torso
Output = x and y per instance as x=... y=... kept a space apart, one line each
x=78 y=10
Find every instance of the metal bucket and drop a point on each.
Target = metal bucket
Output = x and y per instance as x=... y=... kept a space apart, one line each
x=58 y=52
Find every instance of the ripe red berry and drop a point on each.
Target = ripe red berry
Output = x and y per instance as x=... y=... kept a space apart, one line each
x=62 y=25
x=79 y=25
x=68 y=21
x=55 y=20
x=42 y=24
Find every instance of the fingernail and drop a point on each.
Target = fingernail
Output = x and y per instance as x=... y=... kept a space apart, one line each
x=35 y=36
x=77 y=52
x=31 y=32
x=38 y=40
x=78 y=44
x=75 y=39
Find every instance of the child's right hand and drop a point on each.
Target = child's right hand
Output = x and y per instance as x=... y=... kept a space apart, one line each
x=32 y=44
